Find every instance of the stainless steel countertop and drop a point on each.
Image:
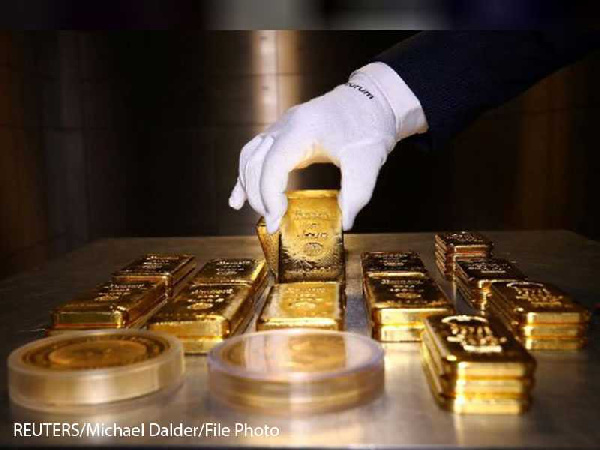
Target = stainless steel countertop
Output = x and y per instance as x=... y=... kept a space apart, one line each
x=566 y=396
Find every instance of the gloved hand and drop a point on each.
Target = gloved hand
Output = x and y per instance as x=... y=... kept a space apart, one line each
x=355 y=126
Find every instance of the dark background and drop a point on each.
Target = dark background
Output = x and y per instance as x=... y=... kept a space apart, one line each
x=107 y=134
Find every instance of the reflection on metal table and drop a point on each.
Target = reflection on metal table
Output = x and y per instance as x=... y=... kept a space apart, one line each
x=566 y=395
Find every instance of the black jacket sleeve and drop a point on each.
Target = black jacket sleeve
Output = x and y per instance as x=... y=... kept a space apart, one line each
x=457 y=75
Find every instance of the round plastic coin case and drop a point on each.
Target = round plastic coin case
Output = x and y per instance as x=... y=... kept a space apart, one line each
x=296 y=371
x=72 y=371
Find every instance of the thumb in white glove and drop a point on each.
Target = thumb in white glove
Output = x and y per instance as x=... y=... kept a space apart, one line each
x=355 y=126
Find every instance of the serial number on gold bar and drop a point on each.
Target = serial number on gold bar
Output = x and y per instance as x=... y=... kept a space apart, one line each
x=483 y=272
x=303 y=305
x=311 y=242
x=110 y=305
x=398 y=300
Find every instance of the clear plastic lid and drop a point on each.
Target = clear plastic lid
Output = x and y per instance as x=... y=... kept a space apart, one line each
x=296 y=370
x=68 y=372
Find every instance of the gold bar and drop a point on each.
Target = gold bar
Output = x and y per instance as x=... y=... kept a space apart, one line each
x=463 y=242
x=110 y=305
x=473 y=404
x=248 y=271
x=534 y=303
x=311 y=243
x=304 y=305
x=382 y=264
x=173 y=270
x=201 y=316
x=478 y=386
x=478 y=276
x=270 y=246
x=403 y=300
x=474 y=346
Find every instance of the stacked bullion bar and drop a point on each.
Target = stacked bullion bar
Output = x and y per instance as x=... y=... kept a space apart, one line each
x=307 y=257
x=474 y=278
x=217 y=304
x=474 y=365
x=110 y=305
x=399 y=294
x=540 y=315
x=459 y=246
x=172 y=270
x=136 y=292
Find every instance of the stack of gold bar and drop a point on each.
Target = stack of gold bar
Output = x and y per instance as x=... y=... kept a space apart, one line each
x=541 y=316
x=173 y=270
x=116 y=305
x=459 y=246
x=399 y=294
x=474 y=278
x=218 y=303
x=319 y=305
x=307 y=257
x=474 y=365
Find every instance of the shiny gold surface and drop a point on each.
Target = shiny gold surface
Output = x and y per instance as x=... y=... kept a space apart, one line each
x=490 y=386
x=303 y=305
x=296 y=371
x=173 y=270
x=463 y=241
x=477 y=277
x=471 y=346
x=110 y=305
x=270 y=246
x=467 y=404
x=205 y=311
x=407 y=263
x=232 y=271
x=311 y=243
x=401 y=300
x=83 y=369
x=532 y=303
x=397 y=333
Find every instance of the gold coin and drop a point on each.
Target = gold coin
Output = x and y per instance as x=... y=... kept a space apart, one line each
x=96 y=352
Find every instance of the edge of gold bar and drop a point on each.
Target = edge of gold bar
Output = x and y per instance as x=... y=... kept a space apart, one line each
x=402 y=263
x=110 y=305
x=270 y=245
x=170 y=269
x=232 y=271
x=398 y=300
x=532 y=303
x=468 y=346
x=397 y=333
x=311 y=246
x=478 y=386
x=206 y=311
x=473 y=405
x=318 y=305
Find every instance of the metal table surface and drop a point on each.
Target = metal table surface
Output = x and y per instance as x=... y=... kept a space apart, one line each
x=566 y=396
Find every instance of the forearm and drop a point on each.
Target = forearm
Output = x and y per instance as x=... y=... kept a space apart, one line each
x=458 y=75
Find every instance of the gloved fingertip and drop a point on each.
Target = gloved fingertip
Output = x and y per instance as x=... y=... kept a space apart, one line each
x=347 y=222
x=272 y=224
x=237 y=197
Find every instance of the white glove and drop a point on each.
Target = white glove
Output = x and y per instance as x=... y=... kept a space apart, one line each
x=354 y=126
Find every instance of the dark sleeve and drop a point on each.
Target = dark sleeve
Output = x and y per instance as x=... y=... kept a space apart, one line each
x=457 y=75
